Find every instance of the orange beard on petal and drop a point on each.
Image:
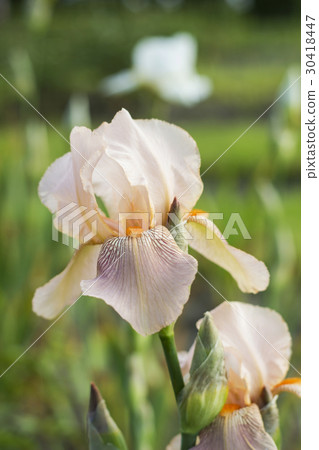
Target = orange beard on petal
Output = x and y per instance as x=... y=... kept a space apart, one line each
x=228 y=409
x=197 y=212
x=134 y=231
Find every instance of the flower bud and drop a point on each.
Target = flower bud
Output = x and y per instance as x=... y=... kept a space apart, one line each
x=205 y=394
x=102 y=430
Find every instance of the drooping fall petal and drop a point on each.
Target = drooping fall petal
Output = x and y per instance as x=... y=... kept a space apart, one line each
x=158 y=155
x=292 y=385
x=258 y=340
x=144 y=278
x=64 y=289
x=241 y=429
x=251 y=275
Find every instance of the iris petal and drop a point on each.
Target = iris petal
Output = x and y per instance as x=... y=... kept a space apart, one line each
x=62 y=290
x=251 y=275
x=145 y=279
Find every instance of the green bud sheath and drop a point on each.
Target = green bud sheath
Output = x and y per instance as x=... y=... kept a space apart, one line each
x=103 y=432
x=270 y=415
x=205 y=394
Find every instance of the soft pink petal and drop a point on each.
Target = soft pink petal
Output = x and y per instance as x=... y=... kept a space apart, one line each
x=251 y=275
x=157 y=155
x=242 y=429
x=50 y=299
x=239 y=379
x=71 y=197
x=146 y=279
x=119 y=196
x=292 y=385
x=259 y=339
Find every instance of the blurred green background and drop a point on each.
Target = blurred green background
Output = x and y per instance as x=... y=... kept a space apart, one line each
x=56 y=54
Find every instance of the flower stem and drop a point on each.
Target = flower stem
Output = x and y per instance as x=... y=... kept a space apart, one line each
x=168 y=343
x=188 y=441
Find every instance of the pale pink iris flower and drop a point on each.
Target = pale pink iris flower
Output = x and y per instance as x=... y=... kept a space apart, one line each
x=135 y=168
x=257 y=346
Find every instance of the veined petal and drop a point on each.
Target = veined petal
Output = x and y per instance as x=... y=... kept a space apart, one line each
x=251 y=275
x=146 y=279
x=241 y=429
x=261 y=342
x=292 y=385
x=64 y=289
x=157 y=155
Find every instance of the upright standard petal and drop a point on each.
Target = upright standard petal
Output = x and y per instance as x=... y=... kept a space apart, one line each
x=160 y=156
x=121 y=199
x=71 y=198
x=145 y=278
x=61 y=184
x=240 y=429
x=251 y=275
x=64 y=289
x=260 y=339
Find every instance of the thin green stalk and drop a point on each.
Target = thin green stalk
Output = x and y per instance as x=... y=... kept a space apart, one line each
x=168 y=343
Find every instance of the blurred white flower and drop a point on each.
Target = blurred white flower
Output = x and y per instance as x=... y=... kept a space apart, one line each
x=167 y=65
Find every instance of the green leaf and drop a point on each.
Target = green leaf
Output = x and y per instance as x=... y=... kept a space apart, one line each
x=103 y=432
